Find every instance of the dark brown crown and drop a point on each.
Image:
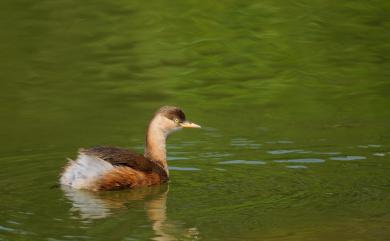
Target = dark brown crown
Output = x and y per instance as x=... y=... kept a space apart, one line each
x=172 y=112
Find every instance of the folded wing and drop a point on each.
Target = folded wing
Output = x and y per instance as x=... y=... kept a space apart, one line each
x=117 y=156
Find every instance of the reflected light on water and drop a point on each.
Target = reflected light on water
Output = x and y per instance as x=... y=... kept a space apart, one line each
x=99 y=205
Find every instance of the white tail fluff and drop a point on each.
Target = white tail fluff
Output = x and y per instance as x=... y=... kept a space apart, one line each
x=83 y=173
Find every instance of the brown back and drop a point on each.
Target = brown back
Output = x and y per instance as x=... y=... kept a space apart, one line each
x=124 y=157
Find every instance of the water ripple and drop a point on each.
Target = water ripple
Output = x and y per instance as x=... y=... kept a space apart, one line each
x=328 y=153
x=379 y=154
x=369 y=146
x=304 y=160
x=243 y=162
x=243 y=142
x=280 y=152
x=347 y=158
x=3 y=228
x=174 y=168
x=174 y=158
x=12 y=230
x=297 y=167
x=280 y=142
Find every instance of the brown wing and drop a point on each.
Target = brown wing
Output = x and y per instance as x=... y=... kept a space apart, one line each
x=124 y=157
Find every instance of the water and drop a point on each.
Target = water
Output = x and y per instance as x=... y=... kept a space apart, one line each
x=293 y=98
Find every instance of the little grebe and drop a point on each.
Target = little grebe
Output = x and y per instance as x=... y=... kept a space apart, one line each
x=109 y=168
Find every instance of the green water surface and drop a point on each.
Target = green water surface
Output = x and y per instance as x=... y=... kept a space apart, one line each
x=293 y=97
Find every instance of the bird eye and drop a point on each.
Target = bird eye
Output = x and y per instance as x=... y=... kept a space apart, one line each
x=176 y=120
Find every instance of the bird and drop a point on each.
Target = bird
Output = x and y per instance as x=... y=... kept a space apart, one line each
x=110 y=168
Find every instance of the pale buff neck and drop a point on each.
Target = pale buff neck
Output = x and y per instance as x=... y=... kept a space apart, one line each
x=155 y=148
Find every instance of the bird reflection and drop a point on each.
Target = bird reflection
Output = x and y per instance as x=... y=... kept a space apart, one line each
x=98 y=205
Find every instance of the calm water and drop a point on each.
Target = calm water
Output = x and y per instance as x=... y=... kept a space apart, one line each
x=293 y=96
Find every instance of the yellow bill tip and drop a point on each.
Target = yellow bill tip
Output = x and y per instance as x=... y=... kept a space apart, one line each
x=188 y=124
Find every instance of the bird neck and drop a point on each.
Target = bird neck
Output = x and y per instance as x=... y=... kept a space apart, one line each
x=155 y=148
